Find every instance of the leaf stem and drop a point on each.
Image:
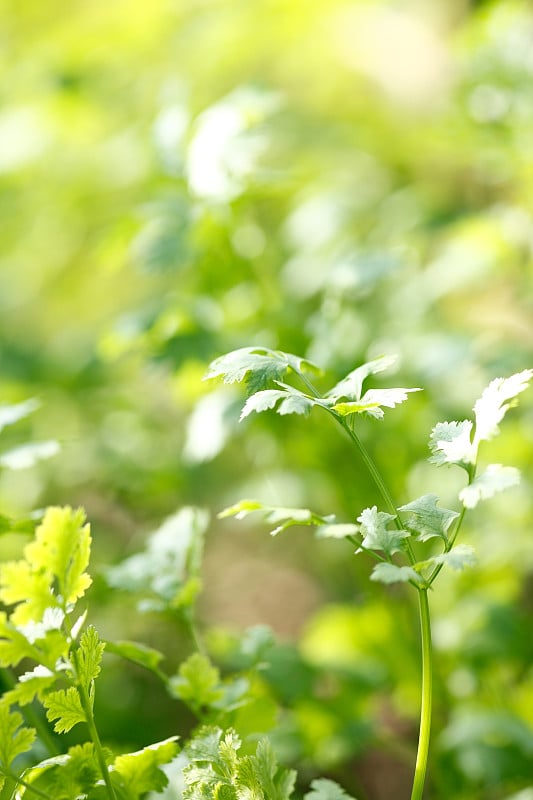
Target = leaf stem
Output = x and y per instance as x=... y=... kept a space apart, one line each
x=32 y=717
x=427 y=693
x=22 y=782
x=86 y=704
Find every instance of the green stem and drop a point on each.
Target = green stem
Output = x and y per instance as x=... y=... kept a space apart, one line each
x=425 y=711
x=87 y=706
x=22 y=782
x=32 y=717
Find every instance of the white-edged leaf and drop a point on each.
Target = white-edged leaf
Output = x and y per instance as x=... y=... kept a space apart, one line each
x=262 y=401
x=496 y=478
x=450 y=443
x=376 y=535
x=9 y=414
x=287 y=517
x=351 y=386
x=339 y=530
x=492 y=405
x=459 y=557
x=391 y=573
x=373 y=401
x=29 y=454
x=295 y=403
x=426 y=519
x=259 y=366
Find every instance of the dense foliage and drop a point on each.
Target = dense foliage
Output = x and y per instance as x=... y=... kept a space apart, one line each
x=334 y=179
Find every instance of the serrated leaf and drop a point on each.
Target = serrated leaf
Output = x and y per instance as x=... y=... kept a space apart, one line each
x=275 y=782
x=459 y=557
x=259 y=366
x=324 y=789
x=492 y=406
x=376 y=535
x=139 y=772
x=68 y=776
x=14 y=739
x=52 y=572
x=262 y=401
x=89 y=656
x=391 y=573
x=26 y=455
x=31 y=684
x=9 y=414
x=65 y=707
x=373 y=401
x=62 y=548
x=450 y=443
x=197 y=682
x=351 y=386
x=496 y=478
x=138 y=653
x=426 y=519
x=40 y=642
x=295 y=403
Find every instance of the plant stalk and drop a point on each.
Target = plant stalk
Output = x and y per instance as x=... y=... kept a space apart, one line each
x=427 y=694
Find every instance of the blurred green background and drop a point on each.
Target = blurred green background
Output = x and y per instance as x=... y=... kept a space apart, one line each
x=335 y=179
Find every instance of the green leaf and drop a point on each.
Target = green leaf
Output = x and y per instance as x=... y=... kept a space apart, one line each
x=14 y=739
x=259 y=366
x=450 y=443
x=324 y=789
x=10 y=414
x=137 y=653
x=89 y=656
x=39 y=641
x=496 y=478
x=27 y=455
x=62 y=548
x=373 y=401
x=137 y=773
x=30 y=685
x=376 y=535
x=492 y=406
x=65 y=707
x=427 y=520
x=391 y=573
x=276 y=783
x=459 y=557
x=67 y=776
x=351 y=386
x=197 y=682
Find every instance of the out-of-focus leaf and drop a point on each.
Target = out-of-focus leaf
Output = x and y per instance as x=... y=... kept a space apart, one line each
x=27 y=455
